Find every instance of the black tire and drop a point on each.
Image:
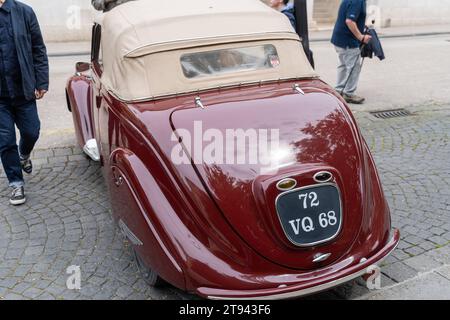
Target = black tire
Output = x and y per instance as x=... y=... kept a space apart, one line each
x=149 y=276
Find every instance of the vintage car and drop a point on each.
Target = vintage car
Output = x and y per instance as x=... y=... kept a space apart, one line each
x=315 y=219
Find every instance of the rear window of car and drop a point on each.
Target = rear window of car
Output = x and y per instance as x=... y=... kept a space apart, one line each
x=230 y=60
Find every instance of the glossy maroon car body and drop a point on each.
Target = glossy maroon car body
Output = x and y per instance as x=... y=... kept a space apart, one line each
x=213 y=230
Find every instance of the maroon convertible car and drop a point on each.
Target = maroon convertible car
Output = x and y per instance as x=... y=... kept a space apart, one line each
x=165 y=83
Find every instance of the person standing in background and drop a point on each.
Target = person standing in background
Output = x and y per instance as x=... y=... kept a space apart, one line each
x=285 y=7
x=348 y=36
x=24 y=78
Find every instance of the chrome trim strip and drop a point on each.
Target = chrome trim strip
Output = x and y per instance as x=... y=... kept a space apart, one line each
x=307 y=245
x=312 y=290
x=129 y=234
x=320 y=257
x=208 y=89
x=298 y=89
x=199 y=103
x=303 y=292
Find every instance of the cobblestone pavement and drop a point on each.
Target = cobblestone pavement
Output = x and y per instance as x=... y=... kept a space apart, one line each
x=67 y=221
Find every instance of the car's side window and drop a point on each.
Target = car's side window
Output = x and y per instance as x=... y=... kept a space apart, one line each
x=96 y=50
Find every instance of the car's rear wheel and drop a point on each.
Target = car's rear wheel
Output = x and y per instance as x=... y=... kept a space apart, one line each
x=149 y=275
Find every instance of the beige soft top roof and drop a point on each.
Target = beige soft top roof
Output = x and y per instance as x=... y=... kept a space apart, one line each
x=143 y=23
x=137 y=29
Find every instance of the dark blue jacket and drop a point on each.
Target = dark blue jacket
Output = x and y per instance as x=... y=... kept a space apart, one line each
x=31 y=50
x=289 y=11
x=10 y=75
x=374 y=47
x=354 y=10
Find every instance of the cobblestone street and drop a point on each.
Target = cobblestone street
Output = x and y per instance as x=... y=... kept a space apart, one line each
x=412 y=155
x=67 y=221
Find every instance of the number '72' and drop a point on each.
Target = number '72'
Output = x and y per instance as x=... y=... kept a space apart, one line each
x=312 y=196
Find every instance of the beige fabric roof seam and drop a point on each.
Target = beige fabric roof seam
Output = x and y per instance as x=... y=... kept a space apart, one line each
x=142 y=42
x=199 y=42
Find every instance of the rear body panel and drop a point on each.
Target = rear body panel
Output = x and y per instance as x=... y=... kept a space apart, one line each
x=316 y=135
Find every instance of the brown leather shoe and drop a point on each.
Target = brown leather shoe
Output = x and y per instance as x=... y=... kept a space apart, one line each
x=353 y=99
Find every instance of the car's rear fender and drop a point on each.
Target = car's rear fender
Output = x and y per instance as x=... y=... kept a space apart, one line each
x=168 y=246
x=141 y=217
x=78 y=95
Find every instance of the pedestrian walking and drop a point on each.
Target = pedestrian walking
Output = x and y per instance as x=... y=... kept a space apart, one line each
x=348 y=36
x=107 y=5
x=24 y=78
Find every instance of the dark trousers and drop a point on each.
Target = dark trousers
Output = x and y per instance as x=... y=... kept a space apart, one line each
x=24 y=115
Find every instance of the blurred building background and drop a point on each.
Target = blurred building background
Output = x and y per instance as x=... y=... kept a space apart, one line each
x=387 y=13
x=70 y=20
x=390 y=13
x=64 y=20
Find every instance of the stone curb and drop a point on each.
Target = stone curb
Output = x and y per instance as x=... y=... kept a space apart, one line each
x=435 y=261
x=421 y=277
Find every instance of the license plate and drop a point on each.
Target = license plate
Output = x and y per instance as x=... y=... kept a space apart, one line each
x=311 y=215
